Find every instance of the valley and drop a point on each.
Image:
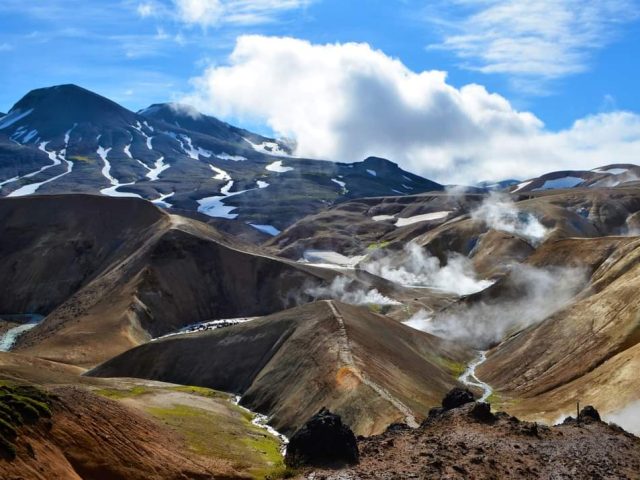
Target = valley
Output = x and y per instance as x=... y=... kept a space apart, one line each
x=186 y=295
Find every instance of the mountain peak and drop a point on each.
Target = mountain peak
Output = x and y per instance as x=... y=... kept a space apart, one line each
x=69 y=104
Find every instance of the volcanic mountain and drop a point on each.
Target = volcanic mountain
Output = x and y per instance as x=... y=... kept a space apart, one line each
x=129 y=272
x=372 y=370
x=66 y=139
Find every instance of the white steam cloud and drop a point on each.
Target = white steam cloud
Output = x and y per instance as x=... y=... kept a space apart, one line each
x=499 y=212
x=538 y=294
x=414 y=267
x=349 y=291
x=628 y=418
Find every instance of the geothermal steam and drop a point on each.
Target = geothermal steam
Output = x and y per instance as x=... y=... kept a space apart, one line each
x=535 y=295
x=415 y=268
x=499 y=212
x=348 y=291
x=628 y=418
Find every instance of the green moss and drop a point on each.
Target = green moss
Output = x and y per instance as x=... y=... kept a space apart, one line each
x=455 y=368
x=18 y=405
x=230 y=437
x=117 y=394
x=378 y=245
x=201 y=392
x=81 y=158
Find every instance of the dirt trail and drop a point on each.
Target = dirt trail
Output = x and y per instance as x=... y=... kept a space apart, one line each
x=347 y=359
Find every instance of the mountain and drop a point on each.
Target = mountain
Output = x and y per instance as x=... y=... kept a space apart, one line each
x=370 y=369
x=607 y=176
x=66 y=139
x=129 y=272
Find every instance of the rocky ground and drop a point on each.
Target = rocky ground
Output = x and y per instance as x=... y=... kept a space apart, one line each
x=471 y=443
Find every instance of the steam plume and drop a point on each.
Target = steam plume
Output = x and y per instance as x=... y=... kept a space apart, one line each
x=415 y=267
x=348 y=291
x=541 y=293
x=499 y=212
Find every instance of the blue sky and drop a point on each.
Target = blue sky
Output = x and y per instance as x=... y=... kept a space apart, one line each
x=561 y=60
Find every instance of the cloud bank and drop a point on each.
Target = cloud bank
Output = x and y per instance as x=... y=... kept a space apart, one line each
x=531 y=40
x=345 y=102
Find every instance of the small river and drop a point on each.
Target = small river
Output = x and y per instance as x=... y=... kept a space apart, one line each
x=27 y=322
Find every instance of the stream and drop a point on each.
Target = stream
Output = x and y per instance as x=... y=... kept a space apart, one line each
x=8 y=338
x=262 y=421
x=470 y=380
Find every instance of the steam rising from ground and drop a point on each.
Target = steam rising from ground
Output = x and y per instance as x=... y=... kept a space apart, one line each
x=499 y=212
x=628 y=418
x=349 y=291
x=533 y=295
x=415 y=267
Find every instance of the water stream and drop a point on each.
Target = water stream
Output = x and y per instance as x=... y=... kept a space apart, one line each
x=8 y=338
x=470 y=379
x=262 y=421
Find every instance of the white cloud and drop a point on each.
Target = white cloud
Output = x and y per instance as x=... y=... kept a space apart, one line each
x=532 y=39
x=208 y=13
x=347 y=101
x=147 y=9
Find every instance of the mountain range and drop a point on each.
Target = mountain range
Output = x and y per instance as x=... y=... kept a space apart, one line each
x=66 y=139
x=181 y=295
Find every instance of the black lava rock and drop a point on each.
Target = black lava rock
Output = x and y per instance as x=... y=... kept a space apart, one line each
x=482 y=413
x=324 y=441
x=589 y=413
x=456 y=398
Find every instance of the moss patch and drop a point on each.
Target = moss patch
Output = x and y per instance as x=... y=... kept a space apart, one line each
x=230 y=437
x=81 y=158
x=201 y=392
x=19 y=405
x=455 y=368
x=117 y=394
x=378 y=245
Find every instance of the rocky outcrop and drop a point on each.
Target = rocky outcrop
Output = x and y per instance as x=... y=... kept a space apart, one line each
x=457 y=397
x=324 y=441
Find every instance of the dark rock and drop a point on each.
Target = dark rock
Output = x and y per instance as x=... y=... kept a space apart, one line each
x=398 y=427
x=529 y=428
x=457 y=397
x=482 y=413
x=589 y=413
x=324 y=441
x=436 y=412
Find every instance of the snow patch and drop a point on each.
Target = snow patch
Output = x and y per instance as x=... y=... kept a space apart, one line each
x=112 y=191
x=278 y=167
x=13 y=117
x=558 y=183
x=215 y=207
x=233 y=158
x=372 y=173
x=268 y=148
x=161 y=200
x=403 y=222
x=522 y=185
x=220 y=174
x=382 y=218
x=268 y=229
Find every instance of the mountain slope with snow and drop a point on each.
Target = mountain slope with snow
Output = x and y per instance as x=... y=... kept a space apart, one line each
x=66 y=139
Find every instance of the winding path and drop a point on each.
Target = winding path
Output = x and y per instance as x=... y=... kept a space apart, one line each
x=347 y=358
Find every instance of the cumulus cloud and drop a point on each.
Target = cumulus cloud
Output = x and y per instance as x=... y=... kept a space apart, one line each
x=347 y=101
x=542 y=39
x=210 y=13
